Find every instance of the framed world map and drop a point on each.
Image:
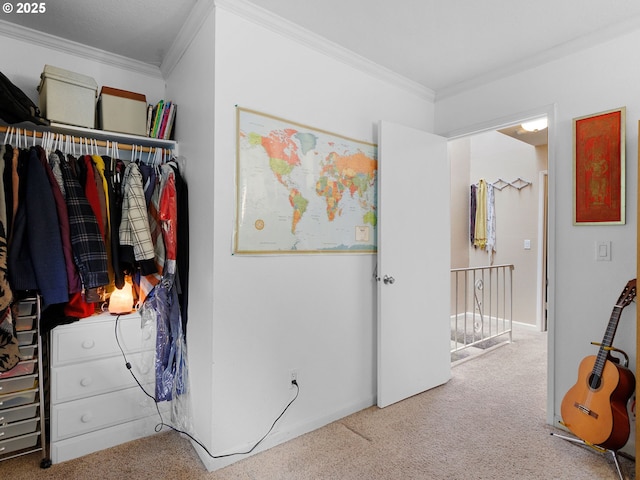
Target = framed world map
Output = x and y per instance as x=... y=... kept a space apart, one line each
x=302 y=190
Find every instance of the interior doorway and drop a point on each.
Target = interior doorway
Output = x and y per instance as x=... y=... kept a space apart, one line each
x=512 y=158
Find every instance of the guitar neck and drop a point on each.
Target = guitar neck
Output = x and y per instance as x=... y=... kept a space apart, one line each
x=607 y=341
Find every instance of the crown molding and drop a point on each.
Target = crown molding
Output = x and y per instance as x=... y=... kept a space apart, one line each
x=192 y=25
x=279 y=25
x=46 y=40
x=555 y=53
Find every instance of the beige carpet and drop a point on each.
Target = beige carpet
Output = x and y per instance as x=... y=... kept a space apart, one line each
x=487 y=422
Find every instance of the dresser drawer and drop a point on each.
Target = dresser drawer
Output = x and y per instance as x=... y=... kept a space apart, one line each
x=71 y=382
x=94 y=413
x=94 y=338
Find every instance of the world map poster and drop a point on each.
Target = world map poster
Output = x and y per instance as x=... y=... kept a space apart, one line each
x=302 y=190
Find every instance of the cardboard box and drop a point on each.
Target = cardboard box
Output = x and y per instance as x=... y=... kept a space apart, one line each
x=68 y=97
x=122 y=111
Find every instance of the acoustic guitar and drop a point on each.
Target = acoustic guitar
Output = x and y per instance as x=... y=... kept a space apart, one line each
x=595 y=408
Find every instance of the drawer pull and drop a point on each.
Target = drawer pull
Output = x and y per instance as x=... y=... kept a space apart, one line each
x=88 y=344
x=1 y=419
x=86 y=381
x=86 y=418
x=2 y=434
x=3 y=449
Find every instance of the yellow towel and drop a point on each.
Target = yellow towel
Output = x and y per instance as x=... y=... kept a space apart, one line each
x=480 y=239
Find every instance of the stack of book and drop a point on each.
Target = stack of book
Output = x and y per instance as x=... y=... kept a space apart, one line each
x=160 y=120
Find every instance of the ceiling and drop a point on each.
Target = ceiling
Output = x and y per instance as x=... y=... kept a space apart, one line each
x=439 y=44
x=535 y=138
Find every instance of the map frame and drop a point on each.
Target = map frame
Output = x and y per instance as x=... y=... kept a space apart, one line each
x=242 y=227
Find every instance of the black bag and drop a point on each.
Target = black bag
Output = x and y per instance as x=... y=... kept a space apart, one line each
x=15 y=106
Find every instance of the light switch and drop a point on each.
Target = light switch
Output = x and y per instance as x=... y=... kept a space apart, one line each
x=603 y=251
x=527 y=244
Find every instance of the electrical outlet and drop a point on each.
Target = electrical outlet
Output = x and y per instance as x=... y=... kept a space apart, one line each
x=293 y=376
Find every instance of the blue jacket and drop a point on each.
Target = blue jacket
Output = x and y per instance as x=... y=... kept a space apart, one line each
x=36 y=260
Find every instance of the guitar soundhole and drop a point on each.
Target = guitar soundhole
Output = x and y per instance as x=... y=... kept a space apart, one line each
x=595 y=381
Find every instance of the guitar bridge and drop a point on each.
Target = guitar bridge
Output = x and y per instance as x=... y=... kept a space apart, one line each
x=585 y=410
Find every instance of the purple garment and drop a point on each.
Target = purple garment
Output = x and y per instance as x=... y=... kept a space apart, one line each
x=472 y=213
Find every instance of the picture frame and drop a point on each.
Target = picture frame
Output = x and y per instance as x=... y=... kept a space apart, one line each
x=599 y=168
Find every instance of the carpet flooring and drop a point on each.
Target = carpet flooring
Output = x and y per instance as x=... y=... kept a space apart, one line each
x=487 y=422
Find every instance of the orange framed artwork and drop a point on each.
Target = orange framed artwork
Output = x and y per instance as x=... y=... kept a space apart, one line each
x=599 y=168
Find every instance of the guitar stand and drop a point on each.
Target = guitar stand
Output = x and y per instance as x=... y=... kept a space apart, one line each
x=614 y=453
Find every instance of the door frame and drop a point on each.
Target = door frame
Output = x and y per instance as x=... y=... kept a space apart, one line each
x=496 y=124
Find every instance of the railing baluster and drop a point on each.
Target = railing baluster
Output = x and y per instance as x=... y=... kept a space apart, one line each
x=484 y=295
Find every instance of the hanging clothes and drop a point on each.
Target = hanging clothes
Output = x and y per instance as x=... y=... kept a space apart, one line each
x=480 y=237
x=102 y=186
x=491 y=222
x=136 y=245
x=114 y=194
x=89 y=201
x=472 y=213
x=87 y=242
x=74 y=284
x=148 y=282
x=8 y=190
x=36 y=261
x=182 y=275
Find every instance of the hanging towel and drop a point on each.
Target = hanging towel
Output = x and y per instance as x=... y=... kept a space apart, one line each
x=480 y=239
x=491 y=222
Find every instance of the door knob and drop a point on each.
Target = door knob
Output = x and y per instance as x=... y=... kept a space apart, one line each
x=388 y=280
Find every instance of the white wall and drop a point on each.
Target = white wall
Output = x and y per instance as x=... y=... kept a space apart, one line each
x=22 y=62
x=583 y=291
x=252 y=319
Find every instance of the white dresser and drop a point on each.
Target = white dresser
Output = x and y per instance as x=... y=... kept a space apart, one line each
x=95 y=402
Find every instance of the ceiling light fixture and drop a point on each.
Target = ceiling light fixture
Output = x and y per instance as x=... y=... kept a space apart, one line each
x=535 y=125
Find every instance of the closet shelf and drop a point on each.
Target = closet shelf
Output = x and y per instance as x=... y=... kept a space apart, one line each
x=102 y=135
x=111 y=136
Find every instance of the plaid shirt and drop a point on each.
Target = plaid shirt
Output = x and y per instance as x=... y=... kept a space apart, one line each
x=86 y=241
x=134 y=225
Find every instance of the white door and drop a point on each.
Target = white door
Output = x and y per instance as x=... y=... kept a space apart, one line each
x=413 y=262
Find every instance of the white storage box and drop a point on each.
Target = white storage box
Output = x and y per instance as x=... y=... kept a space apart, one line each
x=122 y=111
x=68 y=97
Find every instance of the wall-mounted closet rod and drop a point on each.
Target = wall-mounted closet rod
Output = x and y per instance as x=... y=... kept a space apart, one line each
x=77 y=139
